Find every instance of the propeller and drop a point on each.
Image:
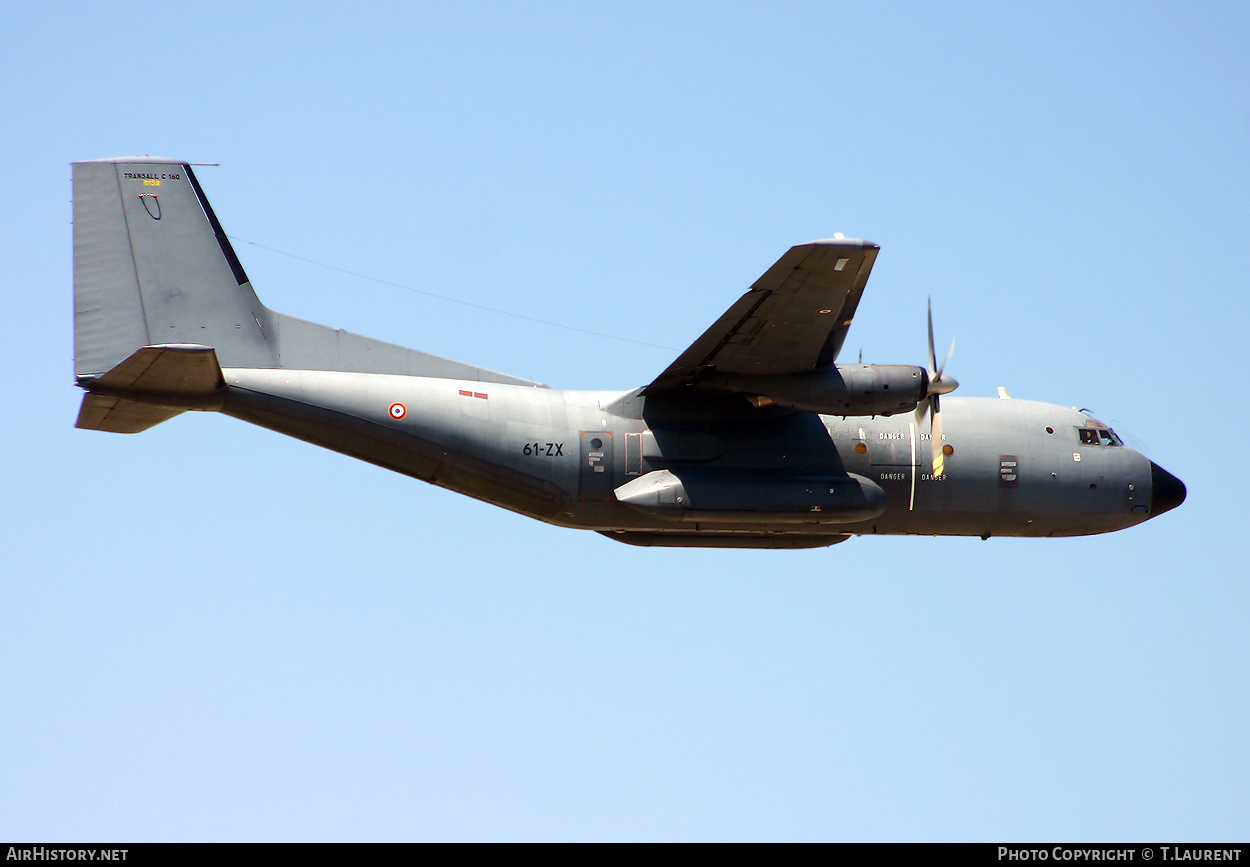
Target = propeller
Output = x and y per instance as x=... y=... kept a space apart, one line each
x=939 y=384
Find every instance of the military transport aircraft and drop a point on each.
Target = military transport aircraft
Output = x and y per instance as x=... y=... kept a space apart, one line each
x=753 y=438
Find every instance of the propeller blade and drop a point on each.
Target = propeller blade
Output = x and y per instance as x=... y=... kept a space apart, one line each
x=930 y=404
x=922 y=409
x=932 y=358
x=949 y=353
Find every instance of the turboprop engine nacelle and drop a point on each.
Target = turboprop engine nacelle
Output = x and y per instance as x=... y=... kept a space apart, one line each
x=844 y=389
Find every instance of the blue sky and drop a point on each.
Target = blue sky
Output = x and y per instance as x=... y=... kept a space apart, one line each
x=212 y=632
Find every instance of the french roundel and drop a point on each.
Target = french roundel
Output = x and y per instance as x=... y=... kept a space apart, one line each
x=398 y=411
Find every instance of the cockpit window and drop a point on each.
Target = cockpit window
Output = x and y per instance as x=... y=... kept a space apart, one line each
x=1098 y=436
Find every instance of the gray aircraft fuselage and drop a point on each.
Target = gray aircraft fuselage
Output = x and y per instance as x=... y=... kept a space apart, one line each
x=1017 y=468
x=752 y=438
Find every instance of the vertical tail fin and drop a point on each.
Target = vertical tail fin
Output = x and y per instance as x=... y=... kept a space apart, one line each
x=152 y=266
x=157 y=284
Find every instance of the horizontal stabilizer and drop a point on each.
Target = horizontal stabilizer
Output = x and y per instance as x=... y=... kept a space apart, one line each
x=179 y=368
x=131 y=397
x=119 y=415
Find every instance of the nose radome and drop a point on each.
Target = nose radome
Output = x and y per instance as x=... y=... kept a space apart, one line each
x=1168 y=492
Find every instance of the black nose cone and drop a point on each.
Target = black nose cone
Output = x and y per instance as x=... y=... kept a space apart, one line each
x=1168 y=491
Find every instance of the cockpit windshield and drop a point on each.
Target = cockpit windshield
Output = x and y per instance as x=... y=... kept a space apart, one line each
x=1098 y=435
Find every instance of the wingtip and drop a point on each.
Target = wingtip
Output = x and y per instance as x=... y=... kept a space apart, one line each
x=839 y=241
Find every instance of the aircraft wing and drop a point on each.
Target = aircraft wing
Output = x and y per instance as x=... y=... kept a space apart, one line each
x=794 y=319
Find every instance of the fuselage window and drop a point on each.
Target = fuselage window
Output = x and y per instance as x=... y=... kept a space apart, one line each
x=1089 y=436
x=1108 y=437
